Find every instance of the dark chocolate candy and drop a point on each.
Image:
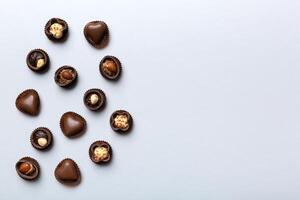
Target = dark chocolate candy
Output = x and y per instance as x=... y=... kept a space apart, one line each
x=110 y=67
x=94 y=99
x=28 y=168
x=67 y=172
x=65 y=76
x=37 y=60
x=121 y=121
x=56 y=29
x=41 y=138
x=100 y=152
x=28 y=102
x=96 y=33
x=72 y=124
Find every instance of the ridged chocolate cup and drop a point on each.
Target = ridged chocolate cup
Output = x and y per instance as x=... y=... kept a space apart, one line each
x=102 y=100
x=65 y=29
x=33 y=67
x=34 y=142
x=118 y=64
x=36 y=165
x=117 y=129
x=58 y=79
x=100 y=143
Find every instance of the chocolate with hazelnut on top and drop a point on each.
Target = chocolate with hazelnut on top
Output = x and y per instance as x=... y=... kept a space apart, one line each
x=100 y=152
x=110 y=67
x=41 y=138
x=37 y=60
x=65 y=76
x=28 y=168
x=121 y=121
x=94 y=99
x=56 y=29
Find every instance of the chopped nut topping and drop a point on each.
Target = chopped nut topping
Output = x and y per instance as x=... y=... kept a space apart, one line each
x=121 y=121
x=100 y=153
x=56 y=30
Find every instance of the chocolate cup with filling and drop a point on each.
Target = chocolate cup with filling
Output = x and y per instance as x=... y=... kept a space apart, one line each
x=56 y=29
x=67 y=172
x=94 y=99
x=110 y=68
x=100 y=152
x=28 y=168
x=28 y=102
x=37 y=60
x=41 y=138
x=121 y=121
x=97 y=34
x=65 y=76
x=72 y=124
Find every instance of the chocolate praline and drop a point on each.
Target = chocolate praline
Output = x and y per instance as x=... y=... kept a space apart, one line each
x=72 y=124
x=67 y=172
x=41 y=138
x=37 y=60
x=28 y=168
x=65 y=76
x=28 y=102
x=100 y=152
x=56 y=29
x=121 y=121
x=96 y=33
x=94 y=99
x=110 y=67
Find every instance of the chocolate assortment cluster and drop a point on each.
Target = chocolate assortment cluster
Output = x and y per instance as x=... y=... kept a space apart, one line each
x=72 y=125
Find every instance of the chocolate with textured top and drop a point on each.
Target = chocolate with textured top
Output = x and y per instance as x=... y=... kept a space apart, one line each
x=28 y=102
x=121 y=121
x=65 y=76
x=67 y=172
x=72 y=124
x=96 y=33
x=28 y=168
x=37 y=60
x=94 y=99
x=41 y=138
x=110 y=67
x=100 y=152
x=56 y=29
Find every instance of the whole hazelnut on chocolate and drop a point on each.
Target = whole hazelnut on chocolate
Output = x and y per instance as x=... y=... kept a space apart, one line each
x=28 y=168
x=65 y=76
x=37 y=60
x=110 y=68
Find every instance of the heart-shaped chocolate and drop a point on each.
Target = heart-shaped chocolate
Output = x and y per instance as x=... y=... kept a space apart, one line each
x=96 y=33
x=72 y=124
x=28 y=102
x=67 y=172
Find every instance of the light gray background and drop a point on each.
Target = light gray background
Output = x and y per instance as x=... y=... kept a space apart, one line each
x=213 y=87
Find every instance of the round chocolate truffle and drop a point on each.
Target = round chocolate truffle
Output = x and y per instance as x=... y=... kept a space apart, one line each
x=110 y=68
x=65 y=76
x=100 y=152
x=56 y=29
x=41 y=138
x=94 y=99
x=37 y=60
x=121 y=121
x=28 y=168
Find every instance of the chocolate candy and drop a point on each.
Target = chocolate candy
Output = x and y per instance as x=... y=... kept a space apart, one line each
x=56 y=29
x=37 y=60
x=65 y=76
x=72 y=124
x=28 y=102
x=28 y=168
x=100 y=152
x=67 y=172
x=94 y=99
x=121 y=121
x=96 y=33
x=110 y=67
x=41 y=138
